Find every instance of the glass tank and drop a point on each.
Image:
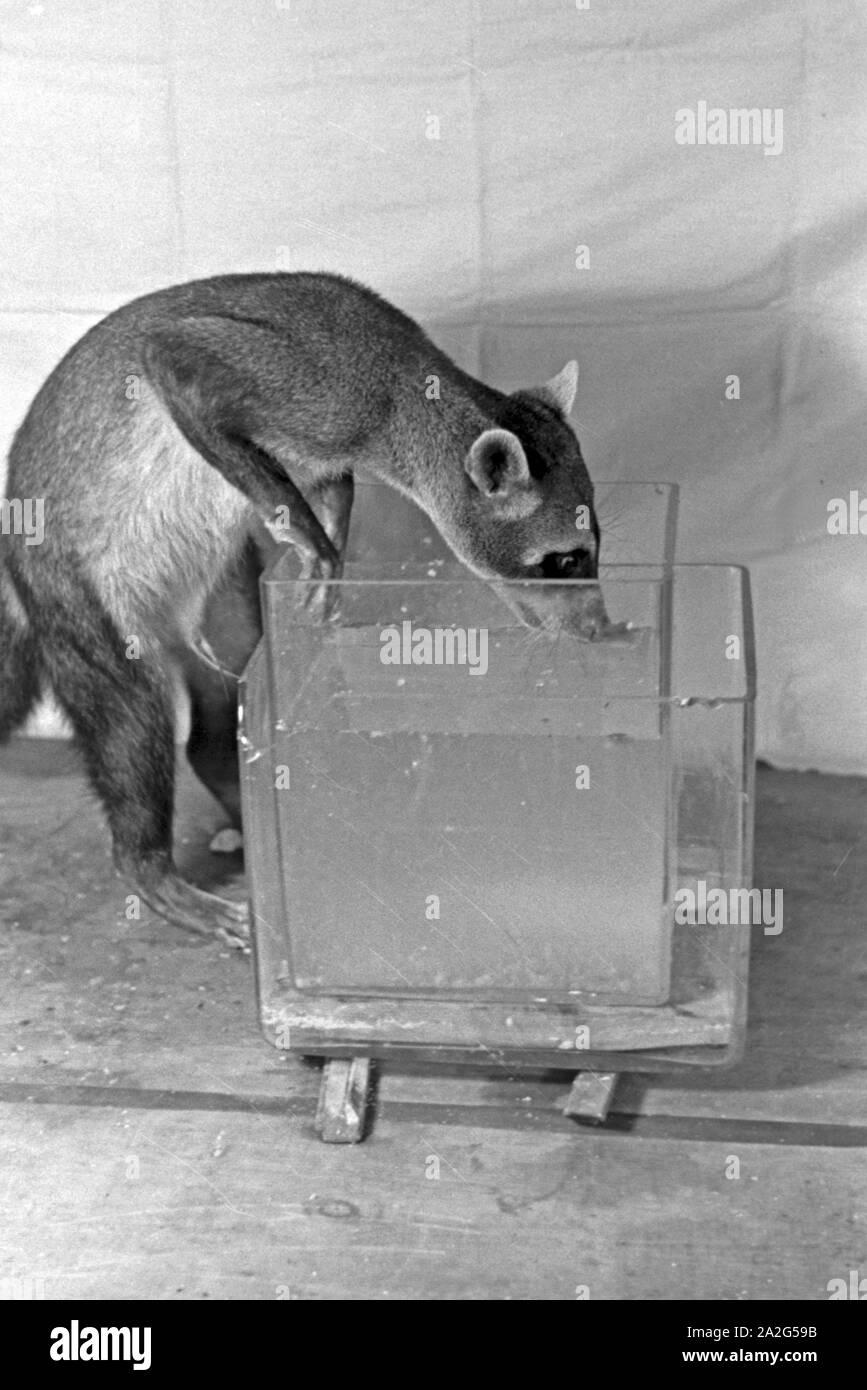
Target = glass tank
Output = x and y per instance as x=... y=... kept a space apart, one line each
x=450 y=793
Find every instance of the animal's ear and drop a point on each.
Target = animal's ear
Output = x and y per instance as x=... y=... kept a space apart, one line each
x=560 y=390
x=497 y=463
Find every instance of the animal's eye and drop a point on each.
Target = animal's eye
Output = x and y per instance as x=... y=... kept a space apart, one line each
x=568 y=564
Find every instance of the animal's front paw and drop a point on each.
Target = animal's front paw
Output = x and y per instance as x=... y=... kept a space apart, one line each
x=226 y=841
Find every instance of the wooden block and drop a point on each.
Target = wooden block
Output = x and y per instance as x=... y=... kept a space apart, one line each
x=591 y=1095
x=342 y=1107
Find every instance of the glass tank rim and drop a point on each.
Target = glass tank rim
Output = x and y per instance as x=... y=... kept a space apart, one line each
x=661 y=573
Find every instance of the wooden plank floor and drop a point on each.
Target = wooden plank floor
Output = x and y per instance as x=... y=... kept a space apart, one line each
x=153 y=1145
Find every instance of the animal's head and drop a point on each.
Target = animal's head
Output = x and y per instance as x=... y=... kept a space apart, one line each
x=524 y=508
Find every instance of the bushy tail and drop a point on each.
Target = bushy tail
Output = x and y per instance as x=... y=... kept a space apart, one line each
x=19 y=664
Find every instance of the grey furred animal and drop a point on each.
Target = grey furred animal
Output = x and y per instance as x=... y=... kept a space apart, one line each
x=169 y=442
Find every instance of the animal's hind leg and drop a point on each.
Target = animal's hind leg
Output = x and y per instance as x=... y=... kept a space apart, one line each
x=19 y=662
x=121 y=711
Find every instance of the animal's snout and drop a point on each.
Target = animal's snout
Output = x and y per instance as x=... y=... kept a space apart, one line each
x=568 y=564
x=587 y=617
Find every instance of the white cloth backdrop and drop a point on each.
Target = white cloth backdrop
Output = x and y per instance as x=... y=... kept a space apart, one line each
x=143 y=143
